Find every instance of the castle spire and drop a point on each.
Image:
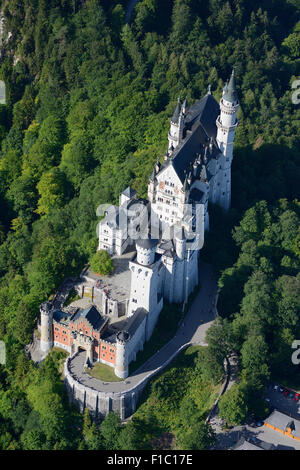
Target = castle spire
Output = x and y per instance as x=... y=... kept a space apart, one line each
x=184 y=106
x=176 y=114
x=177 y=124
x=230 y=93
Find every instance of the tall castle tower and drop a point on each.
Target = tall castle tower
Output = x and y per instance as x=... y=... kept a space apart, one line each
x=144 y=277
x=226 y=125
x=46 y=326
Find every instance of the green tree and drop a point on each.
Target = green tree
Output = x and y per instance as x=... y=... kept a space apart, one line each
x=102 y=263
x=51 y=188
x=109 y=430
x=233 y=405
x=90 y=432
x=199 y=436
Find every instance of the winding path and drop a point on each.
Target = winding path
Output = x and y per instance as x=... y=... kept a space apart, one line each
x=191 y=332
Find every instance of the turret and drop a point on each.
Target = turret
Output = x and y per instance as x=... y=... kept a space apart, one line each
x=121 y=369
x=180 y=242
x=177 y=124
x=227 y=121
x=184 y=107
x=226 y=125
x=46 y=311
x=146 y=248
x=151 y=184
x=184 y=191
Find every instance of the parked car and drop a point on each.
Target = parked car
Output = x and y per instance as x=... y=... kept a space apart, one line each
x=280 y=389
x=267 y=400
x=275 y=388
x=286 y=393
x=259 y=424
x=297 y=396
x=291 y=395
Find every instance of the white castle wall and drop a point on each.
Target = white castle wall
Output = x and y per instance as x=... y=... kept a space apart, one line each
x=144 y=287
x=136 y=342
x=168 y=278
x=152 y=319
x=179 y=281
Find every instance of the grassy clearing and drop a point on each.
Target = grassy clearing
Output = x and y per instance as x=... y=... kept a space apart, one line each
x=103 y=372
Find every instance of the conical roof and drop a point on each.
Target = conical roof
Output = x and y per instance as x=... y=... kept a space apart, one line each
x=230 y=90
x=147 y=243
x=152 y=176
x=176 y=114
x=185 y=104
x=186 y=184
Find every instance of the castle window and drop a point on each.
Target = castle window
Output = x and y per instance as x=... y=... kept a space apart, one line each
x=134 y=300
x=111 y=358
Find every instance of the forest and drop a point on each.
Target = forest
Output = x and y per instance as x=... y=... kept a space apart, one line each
x=88 y=103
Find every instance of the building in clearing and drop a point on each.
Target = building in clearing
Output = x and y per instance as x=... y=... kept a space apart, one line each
x=284 y=424
x=155 y=243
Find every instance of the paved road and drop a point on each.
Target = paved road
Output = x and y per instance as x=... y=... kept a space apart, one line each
x=192 y=331
x=284 y=404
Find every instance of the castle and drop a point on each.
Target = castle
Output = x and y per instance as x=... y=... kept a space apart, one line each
x=157 y=261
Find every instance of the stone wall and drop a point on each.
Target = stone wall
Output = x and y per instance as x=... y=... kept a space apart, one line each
x=100 y=403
